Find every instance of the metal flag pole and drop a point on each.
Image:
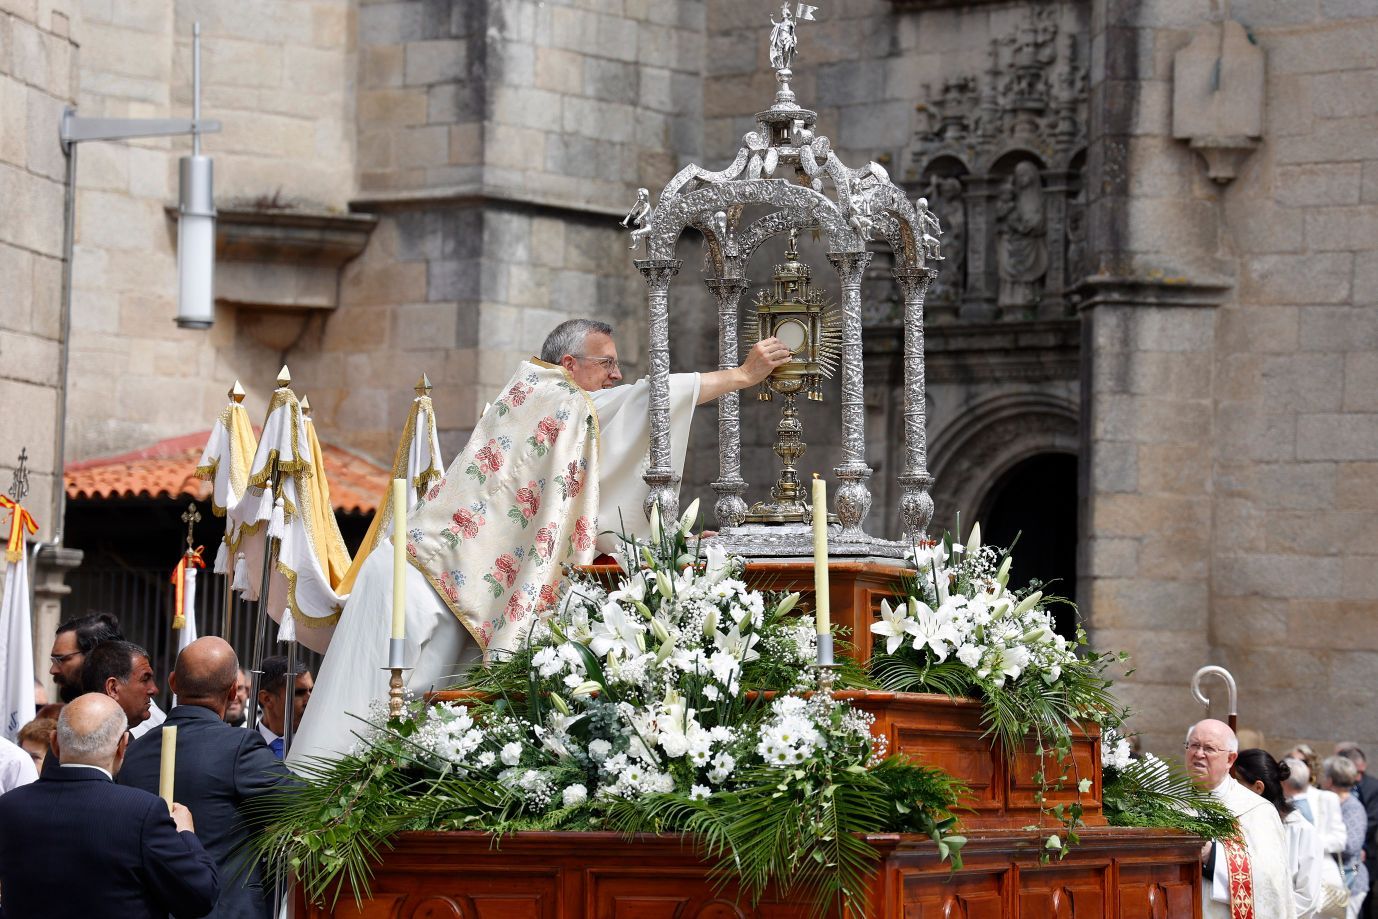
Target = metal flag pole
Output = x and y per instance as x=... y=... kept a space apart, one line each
x=236 y=395
x=261 y=622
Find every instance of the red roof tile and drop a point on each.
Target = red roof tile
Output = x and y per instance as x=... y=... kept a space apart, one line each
x=167 y=469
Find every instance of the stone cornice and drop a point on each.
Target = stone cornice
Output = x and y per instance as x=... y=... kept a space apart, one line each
x=968 y=352
x=1106 y=290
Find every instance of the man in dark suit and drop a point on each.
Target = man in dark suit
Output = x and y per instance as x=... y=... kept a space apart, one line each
x=221 y=770
x=77 y=845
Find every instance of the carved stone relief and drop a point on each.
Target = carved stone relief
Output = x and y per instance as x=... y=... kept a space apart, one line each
x=999 y=153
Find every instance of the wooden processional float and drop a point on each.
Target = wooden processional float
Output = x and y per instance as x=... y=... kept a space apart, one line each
x=785 y=167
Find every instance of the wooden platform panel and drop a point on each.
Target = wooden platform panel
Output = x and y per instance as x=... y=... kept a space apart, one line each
x=1113 y=874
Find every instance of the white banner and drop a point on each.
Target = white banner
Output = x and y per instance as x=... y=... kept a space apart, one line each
x=16 y=648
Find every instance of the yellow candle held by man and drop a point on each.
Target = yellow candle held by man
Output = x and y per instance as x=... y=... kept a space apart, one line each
x=399 y=558
x=169 y=764
x=822 y=612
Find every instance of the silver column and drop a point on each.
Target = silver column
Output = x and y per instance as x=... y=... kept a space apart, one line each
x=661 y=475
x=853 y=496
x=730 y=508
x=916 y=505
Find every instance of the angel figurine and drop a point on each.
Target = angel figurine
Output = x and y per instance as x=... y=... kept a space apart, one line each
x=636 y=217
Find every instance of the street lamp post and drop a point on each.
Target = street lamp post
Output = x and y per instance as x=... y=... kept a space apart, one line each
x=195 y=234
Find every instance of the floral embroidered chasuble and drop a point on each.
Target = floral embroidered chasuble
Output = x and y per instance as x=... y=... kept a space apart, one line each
x=520 y=500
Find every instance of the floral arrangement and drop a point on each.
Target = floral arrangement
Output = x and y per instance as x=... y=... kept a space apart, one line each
x=961 y=631
x=673 y=700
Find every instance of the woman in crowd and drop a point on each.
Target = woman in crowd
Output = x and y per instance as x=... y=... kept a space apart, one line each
x=1257 y=771
x=1340 y=776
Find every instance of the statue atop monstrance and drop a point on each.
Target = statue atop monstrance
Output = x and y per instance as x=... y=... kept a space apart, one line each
x=784 y=165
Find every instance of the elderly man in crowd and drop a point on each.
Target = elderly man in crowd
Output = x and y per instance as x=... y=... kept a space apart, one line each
x=221 y=771
x=1247 y=875
x=75 y=844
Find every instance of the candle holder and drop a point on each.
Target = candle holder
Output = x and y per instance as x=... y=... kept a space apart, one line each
x=397 y=693
x=397 y=690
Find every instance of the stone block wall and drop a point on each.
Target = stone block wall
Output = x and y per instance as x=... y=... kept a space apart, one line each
x=500 y=143
x=37 y=80
x=279 y=78
x=1232 y=447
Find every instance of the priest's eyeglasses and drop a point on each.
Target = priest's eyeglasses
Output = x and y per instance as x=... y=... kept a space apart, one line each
x=609 y=364
x=60 y=659
x=1201 y=748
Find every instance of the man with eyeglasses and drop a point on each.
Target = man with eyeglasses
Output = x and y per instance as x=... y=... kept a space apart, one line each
x=587 y=352
x=553 y=465
x=1246 y=877
x=74 y=640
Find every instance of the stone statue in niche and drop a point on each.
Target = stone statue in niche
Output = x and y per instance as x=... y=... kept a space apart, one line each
x=945 y=197
x=1021 y=240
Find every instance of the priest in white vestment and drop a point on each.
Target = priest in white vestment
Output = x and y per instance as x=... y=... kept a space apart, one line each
x=1246 y=877
x=446 y=630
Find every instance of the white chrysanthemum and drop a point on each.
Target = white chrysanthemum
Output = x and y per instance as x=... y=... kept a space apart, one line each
x=574 y=795
x=699 y=792
x=511 y=754
x=599 y=749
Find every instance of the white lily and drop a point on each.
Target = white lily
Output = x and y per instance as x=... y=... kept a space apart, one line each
x=974 y=539
x=1002 y=576
x=1028 y=602
x=689 y=518
x=655 y=522
x=617 y=631
x=933 y=629
x=895 y=624
x=738 y=645
x=715 y=564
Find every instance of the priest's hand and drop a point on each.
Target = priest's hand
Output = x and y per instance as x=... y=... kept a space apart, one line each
x=767 y=354
x=764 y=357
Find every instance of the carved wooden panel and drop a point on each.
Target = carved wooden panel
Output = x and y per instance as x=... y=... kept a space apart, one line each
x=1064 y=892
x=1163 y=891
x=963 y=896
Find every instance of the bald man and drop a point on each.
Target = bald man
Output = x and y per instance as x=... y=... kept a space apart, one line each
x=74 y=844
x=221 y=769
x=1247 y=876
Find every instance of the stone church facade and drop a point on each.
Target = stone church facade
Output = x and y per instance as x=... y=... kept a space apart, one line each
x=1152 y=345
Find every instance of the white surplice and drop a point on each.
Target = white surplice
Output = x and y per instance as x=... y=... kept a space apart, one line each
x=1268 y=858
x=438 y=647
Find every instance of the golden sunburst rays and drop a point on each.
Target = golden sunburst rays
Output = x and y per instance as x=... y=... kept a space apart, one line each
x=829 y=344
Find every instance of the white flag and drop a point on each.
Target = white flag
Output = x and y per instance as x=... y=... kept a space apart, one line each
x=187 y=633
x=806 y=12
x=16 y=647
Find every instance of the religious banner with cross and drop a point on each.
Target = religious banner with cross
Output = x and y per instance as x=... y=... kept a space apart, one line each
x=184 y=582
x=16 y=623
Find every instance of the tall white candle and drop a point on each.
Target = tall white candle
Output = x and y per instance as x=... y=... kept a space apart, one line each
x=822 y=611
x=168 y=767
x=399 y=558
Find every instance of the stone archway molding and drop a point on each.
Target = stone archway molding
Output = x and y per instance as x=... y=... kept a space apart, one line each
x=971 y=457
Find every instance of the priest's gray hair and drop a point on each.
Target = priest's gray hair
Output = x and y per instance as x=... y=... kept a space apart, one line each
x=1299 y=776
x=568 y=338
x=94 y=746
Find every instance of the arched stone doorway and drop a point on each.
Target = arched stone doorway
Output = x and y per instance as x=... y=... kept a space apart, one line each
x=1036 y=502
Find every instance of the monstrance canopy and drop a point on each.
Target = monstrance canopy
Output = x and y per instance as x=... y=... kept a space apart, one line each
x=782 y=164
